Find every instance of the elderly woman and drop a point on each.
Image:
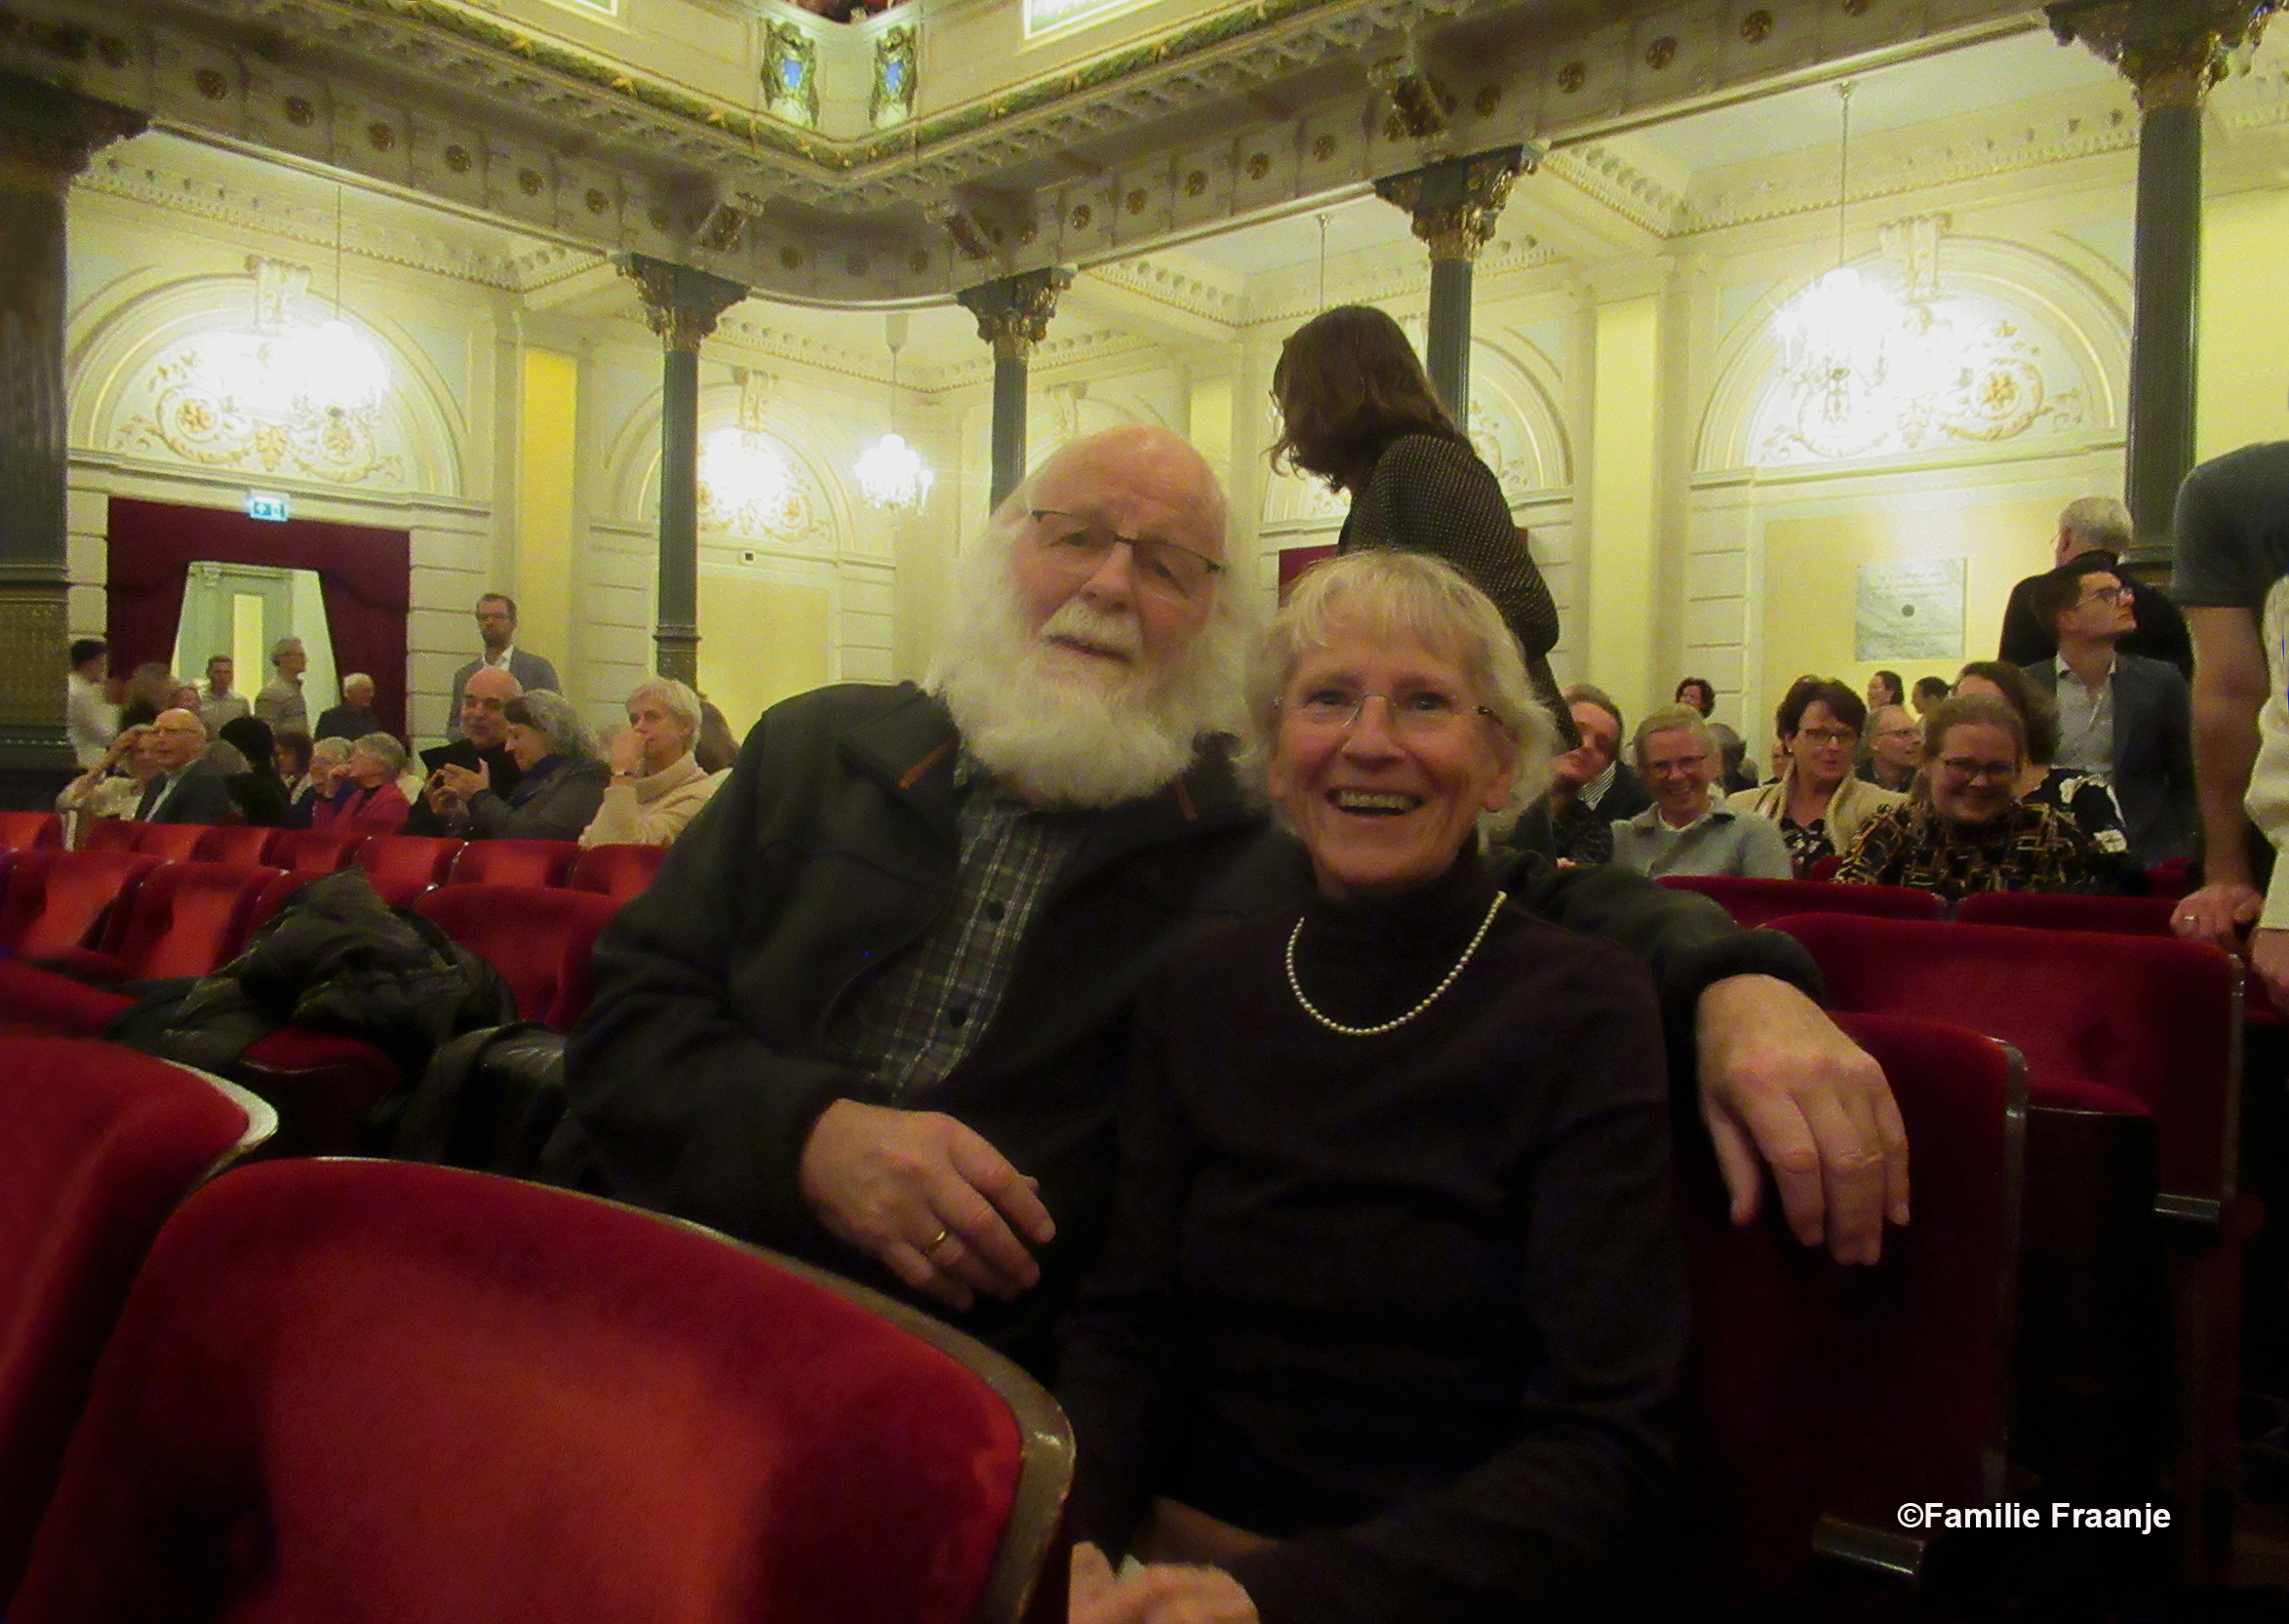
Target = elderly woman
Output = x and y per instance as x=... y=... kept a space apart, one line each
x=1817 y=801
x=657 y=785
x=1975 y=834
x=321 y=779
x=1390 y=1321
x=1685 y=831
x=366 y=793
x=111 y=788
x=560 y=784
x=1356 y=408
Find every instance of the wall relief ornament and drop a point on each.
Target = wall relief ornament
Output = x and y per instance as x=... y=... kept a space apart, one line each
x=197 y=411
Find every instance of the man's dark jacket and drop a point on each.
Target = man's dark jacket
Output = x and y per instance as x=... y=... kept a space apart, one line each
x=499 y=763
x=347 y=721
x=696 y=1076
x=2161 y=633
x=201 y=796
x=2152 y=774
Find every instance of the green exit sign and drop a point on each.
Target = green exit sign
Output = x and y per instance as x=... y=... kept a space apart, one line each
x=267 y=504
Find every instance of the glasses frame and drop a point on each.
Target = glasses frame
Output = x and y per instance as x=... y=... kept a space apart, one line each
x=1403 y=722
x=1137 y=544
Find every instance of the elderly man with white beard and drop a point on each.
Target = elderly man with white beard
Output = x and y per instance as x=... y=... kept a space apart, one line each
x=875 y=1009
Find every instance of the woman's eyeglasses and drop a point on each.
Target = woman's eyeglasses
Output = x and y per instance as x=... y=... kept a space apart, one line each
x=1423 y=711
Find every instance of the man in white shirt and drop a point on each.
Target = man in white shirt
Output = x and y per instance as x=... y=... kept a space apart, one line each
x=1685 y=830
x=90 y=716
x=218 y=705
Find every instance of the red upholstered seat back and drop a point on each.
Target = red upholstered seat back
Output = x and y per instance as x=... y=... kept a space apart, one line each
x=1754 y=902
x=404 y=866
x=110 y=834
x=1815 y=1389
x=311 y=852
x=514 y=862
x=101 y=1144
x=233 y=843
x=189 y=919
x=2157 y=1019
x=55 y=898
x=173 y=843
x=618 y=871
x=2034 y=910
x=351 y=1390
x=539 y=939
x=21 y=830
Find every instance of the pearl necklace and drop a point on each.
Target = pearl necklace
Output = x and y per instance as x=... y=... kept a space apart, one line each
x=1295 y=986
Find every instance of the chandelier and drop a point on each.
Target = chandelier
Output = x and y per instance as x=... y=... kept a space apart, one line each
x=892 y=474
x=291 y=368
x=1840 y=338
x=745 y=480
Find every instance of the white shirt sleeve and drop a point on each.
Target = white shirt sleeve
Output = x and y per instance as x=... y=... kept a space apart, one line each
x=2268 y=801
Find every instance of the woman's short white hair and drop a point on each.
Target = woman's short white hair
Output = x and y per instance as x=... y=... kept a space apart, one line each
x=335 y=747
x=386 y=746
x=1393 y=595
x=674 y=698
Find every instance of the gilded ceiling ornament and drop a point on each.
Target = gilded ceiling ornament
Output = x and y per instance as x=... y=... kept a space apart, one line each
x=381 y=135
x=1858 y=7
x=1660 y=53
x=1489 y=98
x=918 y=261
x=790 y=256
x=680 y=303
x=1259 y=164
x=529 y=182
x=2171 y=57
x=1081 y=215
x=1454 y=204
x=1136 y=200
x=1419 y=103
x=212 y=84
x=1323 y=148
x=597 y=200
x=299 y=113
x=657 y=216
x=1014 y=312
x=1573 y=76
x=1757 y=28
x=458 y=159
x=1196 y=183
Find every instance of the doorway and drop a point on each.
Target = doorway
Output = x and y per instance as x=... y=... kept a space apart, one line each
x=243 y=609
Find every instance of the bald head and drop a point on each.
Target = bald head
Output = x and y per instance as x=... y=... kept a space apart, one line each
x=175 y=737
x=1138 y=462
x=487 y=690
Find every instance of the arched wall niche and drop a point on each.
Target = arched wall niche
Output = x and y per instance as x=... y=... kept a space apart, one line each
x=2023 y=351
x=818 y=517
x=146 y=377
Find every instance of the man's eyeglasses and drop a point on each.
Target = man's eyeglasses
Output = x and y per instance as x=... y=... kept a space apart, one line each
x=2110 y=595
x=1416 y=714
x=1081 y=546
x=1969 y=770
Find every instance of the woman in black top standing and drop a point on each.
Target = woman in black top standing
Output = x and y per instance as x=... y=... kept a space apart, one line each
x=1358 y=410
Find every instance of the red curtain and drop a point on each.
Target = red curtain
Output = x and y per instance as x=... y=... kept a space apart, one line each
x=367 y=576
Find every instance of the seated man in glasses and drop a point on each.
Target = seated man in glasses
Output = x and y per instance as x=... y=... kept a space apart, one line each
x=874 y=1010
x=1975 y=834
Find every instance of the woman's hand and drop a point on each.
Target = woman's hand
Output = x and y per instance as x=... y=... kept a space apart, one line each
x=461 y=783
x=1160 y=1594
x=627 y=753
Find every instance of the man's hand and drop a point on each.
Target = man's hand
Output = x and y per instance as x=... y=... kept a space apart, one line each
x=1160 y=1594
x=1780 y=1083
x=460 y=782
x=940 y=1206
x=2217 y=913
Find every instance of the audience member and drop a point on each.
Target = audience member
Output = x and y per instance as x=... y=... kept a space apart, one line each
x=217 y=701
x=1895 y=747
x=113 y=786
x=1683 y=831
x=560 y=782
x=366 y=794
x=1883 y=689
x=150 y=689
x=1733 y=749
x=291 y=753
x=354 y=717
x=183 y=789
x=90 y=717
x=657 y=787
x=496 y=629
x=2086 y=799
x=876 y=1009
x=280 y=702
x=2233 y=544
x=1700 y=694
x=1816 y=801
x=256 y=788
x=1358 y=410
x=328 y=758
x=715 y=749
x=1592 y=789
x=1281 y=1439
x=2127 y=719
x=481 y=741
x=1974 y=834
x=2097 y=529
x=1927 y=695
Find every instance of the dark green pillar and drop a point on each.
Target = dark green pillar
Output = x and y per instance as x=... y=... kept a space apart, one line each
x=1013 y=315
x=1454 y=204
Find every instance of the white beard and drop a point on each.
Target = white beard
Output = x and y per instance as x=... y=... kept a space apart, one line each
x=1069 y=729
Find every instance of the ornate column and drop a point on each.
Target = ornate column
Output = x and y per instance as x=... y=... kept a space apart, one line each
x=2172 y=52
x=1013 y=315
x=46 y=137
x=681 y=305
x=1454 y=204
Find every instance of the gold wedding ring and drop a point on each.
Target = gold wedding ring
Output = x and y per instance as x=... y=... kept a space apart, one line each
x=937 y=1241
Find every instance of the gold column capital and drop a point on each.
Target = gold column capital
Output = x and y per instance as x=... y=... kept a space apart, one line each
x=680 y=303
x=47 y=135
x=1014 y=312
x=2171 y=50
x=1456 y=203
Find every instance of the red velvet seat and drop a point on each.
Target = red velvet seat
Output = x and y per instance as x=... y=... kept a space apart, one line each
x=110 y=834
x=617 y=871
x=1754 y=902
x=186 y=919
x=404 y=866
x=21 y=831
x=2116 y=916
x=101 y=1143
x=233 y=843
x=538 y=940
x=513 y=863
x=55 y=899
x=173 y=843
x=355 y=1389
x=310 y=852
x=1822 y=1398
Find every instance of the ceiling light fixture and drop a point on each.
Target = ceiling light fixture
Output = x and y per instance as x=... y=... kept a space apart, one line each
x=892 y=474
x=1837 y=336
x=335 y=368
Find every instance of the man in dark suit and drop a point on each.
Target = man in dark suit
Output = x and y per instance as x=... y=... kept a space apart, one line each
x=1591 y=786
x=484 y=738
x=2123 y=718
x=354 y=717
x=497 y=626
x=186 y=790
x=2097 y=525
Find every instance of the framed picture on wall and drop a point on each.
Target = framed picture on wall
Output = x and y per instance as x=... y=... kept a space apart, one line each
x=1911 y=608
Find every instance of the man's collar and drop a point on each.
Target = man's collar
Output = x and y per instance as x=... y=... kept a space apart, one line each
x=1594 y=790
x=1650 y=819
x=502 y=663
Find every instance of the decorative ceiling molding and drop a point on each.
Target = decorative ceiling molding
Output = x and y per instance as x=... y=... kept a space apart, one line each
x=1171 y=278
x=1629 y=191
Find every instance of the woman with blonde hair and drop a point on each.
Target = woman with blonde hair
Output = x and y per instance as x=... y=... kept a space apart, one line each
x=657 y=785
